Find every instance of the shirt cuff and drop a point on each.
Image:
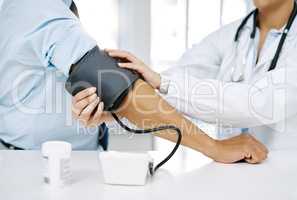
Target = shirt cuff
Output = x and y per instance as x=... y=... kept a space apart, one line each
x=164 y=86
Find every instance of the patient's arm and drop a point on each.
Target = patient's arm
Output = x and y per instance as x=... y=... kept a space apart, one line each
x=146 y=109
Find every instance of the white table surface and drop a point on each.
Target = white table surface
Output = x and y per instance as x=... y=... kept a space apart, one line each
x=275 y=179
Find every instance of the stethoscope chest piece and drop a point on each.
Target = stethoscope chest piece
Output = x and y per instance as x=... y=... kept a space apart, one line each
x=236 y=76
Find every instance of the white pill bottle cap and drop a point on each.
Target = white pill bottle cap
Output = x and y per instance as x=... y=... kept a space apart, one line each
x=56 y=148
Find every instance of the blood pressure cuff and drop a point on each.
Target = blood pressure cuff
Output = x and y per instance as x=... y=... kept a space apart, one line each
x=98 y=69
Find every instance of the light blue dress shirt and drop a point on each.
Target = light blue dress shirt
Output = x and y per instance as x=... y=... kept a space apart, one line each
x=39 y=41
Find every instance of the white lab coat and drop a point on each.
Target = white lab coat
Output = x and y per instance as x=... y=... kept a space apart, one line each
x=202 y=87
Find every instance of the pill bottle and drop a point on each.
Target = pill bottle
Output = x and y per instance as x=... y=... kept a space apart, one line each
x=57 y=163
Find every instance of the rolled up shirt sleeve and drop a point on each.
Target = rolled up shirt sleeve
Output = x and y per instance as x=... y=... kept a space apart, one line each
x=70 y=48
x=56 y=35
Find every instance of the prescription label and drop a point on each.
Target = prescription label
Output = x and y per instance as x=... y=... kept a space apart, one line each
x=65 y=170
x=61 y=170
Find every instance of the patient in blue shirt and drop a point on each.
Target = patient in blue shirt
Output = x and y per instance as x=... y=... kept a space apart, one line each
x=34 y=106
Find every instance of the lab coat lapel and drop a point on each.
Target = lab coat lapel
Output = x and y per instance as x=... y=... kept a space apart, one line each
x=241 y=59
x=234 y=63
x=228 y=65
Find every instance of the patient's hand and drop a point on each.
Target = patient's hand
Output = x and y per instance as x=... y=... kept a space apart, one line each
x=133 y=63
x=88 y=109
x=243 y=147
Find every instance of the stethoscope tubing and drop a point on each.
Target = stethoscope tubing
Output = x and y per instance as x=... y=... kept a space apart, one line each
x=275 y=59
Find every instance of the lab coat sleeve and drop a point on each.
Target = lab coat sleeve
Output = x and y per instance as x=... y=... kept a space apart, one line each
x=203 y=59
x=56 y=34
x=268 y=100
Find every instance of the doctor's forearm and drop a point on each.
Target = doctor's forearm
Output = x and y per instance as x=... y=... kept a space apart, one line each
x=146 y=109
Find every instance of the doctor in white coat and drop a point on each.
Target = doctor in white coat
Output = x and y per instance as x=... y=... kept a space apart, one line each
x=241 y=76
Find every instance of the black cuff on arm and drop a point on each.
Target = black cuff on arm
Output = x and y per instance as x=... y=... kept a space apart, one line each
x=97 y=69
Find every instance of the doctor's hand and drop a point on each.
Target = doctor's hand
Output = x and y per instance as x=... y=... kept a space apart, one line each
x=88 y=109
x=133 y=63
x=240 y=148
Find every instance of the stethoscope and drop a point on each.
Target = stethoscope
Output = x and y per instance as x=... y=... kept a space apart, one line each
x=240 y=77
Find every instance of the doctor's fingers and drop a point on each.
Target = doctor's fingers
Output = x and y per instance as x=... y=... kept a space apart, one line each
x=131 y=66
x=84 y=93
x=86 y=114
x=79 y=106
x=122 y=54
x=96 y=119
